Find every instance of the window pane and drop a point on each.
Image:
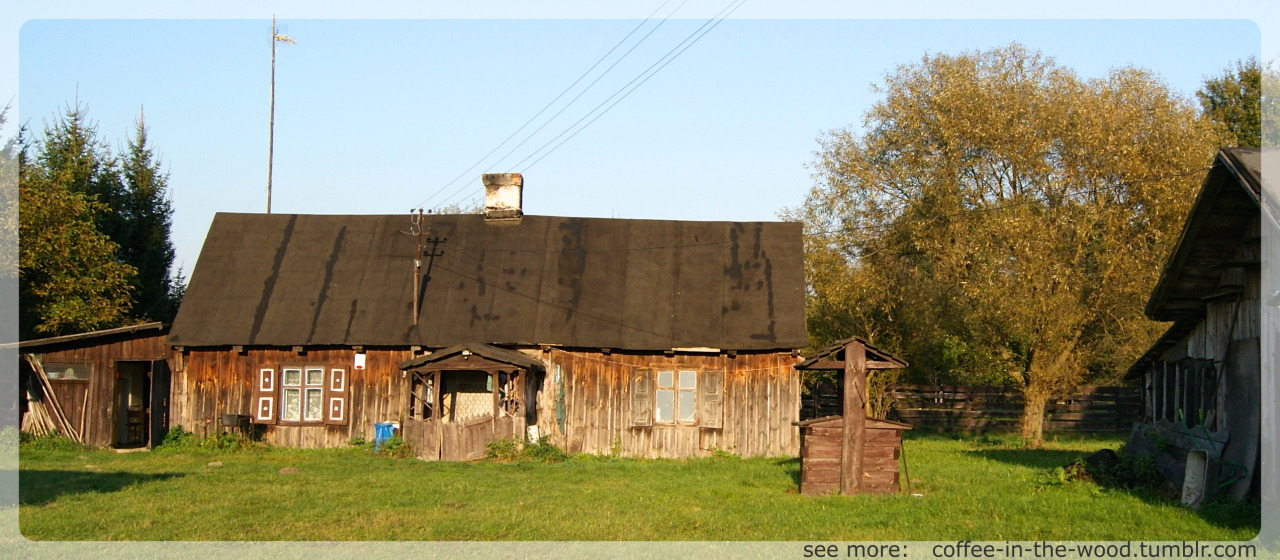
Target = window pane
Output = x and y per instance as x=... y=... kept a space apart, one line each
x=313 y=404
x=665 y=409
x=292 y=404
x=688 y=379
x=666 y=379
x=293 y=377
x=687 y=409
x=315 y=376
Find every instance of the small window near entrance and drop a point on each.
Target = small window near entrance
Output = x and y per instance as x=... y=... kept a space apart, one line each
x=66 y=371
x=422 y=396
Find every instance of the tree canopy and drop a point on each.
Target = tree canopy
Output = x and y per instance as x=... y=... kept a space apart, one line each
x=94 y=247
x=998 y=219
x=1233 y=100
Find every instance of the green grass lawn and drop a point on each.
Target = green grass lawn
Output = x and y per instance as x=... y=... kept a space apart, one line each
x=971 y=489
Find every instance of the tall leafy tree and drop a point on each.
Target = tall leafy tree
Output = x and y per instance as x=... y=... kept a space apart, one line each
x=145 y=217
x=999 y=219
x=70 y=278
x=8 y=230
x=1233 y=100
x=1271 y=105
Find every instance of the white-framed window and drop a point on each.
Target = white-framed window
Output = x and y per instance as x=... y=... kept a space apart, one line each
x=302 y=391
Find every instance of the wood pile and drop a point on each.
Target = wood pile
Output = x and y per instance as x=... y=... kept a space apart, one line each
x=44 y=414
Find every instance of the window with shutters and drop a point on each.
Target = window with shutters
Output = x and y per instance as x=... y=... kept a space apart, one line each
x=301 y=395
x=682 y=397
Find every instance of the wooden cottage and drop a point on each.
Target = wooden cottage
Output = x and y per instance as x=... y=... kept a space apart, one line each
x=850 y=453
x=645 y=338
x=106 y=388
x=1201 y=379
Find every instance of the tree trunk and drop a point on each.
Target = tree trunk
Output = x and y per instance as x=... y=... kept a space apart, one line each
x=1033 y=416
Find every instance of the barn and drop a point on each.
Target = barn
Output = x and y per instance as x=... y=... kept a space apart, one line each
x=1201 y=379
x=642 y=338
x=105 y=388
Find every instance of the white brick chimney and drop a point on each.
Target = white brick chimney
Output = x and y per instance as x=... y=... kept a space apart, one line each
x=503 y=195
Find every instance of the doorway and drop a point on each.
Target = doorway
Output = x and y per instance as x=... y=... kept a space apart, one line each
x=141 y=403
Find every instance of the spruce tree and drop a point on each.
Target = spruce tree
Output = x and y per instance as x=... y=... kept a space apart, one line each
x=146 y=217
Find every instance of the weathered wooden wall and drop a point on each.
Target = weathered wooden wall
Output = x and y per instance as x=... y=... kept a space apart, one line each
x=217 y=381
x=102 y=355
x=761 y=398
x=820 y=457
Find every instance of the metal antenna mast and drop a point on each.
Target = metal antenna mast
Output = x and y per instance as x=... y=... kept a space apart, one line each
x=271 y=135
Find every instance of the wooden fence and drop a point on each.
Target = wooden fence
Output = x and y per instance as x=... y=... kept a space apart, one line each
x=976 y=409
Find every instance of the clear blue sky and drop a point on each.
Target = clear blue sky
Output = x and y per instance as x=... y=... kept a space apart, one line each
x=374 y=116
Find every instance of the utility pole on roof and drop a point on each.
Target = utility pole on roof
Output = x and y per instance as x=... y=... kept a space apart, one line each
x=271 y=135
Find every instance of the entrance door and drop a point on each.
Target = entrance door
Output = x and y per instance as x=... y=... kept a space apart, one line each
x=470 y=409
x=159 y=412
x=132 y=399
x=422 y=425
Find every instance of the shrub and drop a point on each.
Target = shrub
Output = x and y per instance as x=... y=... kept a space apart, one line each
x=51 y=441
x=1133 y=472
x=360 y=444
x=396 y=446
x=542 y=450
x=509 y=449
x=504 y=450
x=180 y=440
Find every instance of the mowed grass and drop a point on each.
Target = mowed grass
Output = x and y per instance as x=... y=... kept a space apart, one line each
x=971 y=489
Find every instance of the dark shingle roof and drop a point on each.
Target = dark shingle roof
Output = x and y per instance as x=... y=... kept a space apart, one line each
x=1227 y=204
x=587 y=282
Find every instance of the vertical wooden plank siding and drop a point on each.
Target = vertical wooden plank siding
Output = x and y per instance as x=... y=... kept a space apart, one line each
x=218 y=381
x=760 y=401
x=102 y=356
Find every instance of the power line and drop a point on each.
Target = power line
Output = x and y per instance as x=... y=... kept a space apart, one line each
x=643 y=77
x=624 y=96
x=562 y=93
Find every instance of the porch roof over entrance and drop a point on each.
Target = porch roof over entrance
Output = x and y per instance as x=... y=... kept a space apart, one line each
x=486 y=351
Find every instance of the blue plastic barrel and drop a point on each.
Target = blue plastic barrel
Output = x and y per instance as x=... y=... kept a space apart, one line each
x=382 y=431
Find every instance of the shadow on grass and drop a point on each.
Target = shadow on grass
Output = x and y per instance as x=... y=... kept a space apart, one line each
x=1033 y=458
x=791 y=466
x=40 y=487
x=1221 y=512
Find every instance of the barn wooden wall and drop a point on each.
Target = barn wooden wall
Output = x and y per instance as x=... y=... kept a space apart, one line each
x=761 y=399
x=220 y=381
x=102 y=355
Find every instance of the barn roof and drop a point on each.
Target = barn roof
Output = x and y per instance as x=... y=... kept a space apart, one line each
x=284 y=280
x=491 y=353
x=1227 y=204
x=145 y=329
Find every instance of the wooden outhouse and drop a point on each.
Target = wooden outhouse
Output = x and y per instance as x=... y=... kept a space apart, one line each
x=850 y=453
x=820 y=441
x=110 y=387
